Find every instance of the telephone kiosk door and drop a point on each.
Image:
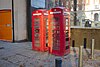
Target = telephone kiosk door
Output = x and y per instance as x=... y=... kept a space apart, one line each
x=67 y=23
x=39 y=21
x=57 y=32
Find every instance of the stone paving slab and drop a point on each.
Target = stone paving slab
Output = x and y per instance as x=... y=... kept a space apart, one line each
x=22 y=55
x=4 y=63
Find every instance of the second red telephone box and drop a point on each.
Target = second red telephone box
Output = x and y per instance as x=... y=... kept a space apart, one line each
x=39 y=29
x=58 y=29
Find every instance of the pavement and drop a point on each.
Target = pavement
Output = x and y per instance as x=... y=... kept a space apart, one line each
x=22 y=55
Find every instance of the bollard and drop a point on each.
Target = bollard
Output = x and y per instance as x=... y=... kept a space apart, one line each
x=58 y=62
x=92 y=49
x=80 y=64
x=73 y=43
x=85 y=42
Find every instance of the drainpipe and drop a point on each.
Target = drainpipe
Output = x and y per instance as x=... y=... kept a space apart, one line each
x=60 y=2
x=13 y=20
x=75 y=9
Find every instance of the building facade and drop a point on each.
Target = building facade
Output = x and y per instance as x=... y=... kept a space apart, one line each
x=21 y=12
x=17 y=16
x=92 y=8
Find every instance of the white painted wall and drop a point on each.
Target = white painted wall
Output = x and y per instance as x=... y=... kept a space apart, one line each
x=20 y=19
x=5 y=4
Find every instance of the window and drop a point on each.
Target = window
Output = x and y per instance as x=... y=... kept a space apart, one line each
x=96 y=1
x=38 y=3
x=87 y=2
x=96 y=16
x=99 y=1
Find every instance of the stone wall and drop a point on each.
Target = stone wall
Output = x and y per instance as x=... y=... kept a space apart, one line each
x=79 y=34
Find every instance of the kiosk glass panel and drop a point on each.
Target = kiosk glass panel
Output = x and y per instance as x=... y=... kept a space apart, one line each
x=56 y=33
x=37 y=31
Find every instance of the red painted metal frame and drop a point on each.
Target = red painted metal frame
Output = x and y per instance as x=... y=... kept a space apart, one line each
x=42 y=15
x=59 y=13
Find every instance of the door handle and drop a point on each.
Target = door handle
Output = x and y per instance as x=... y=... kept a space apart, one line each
x=8 y=25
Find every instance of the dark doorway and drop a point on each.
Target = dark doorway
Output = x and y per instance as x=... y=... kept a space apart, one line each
x=29 y=26
x=31 y=6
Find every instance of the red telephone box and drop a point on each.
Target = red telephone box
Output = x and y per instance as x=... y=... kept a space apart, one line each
x=58 y=29
x=39 y=28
